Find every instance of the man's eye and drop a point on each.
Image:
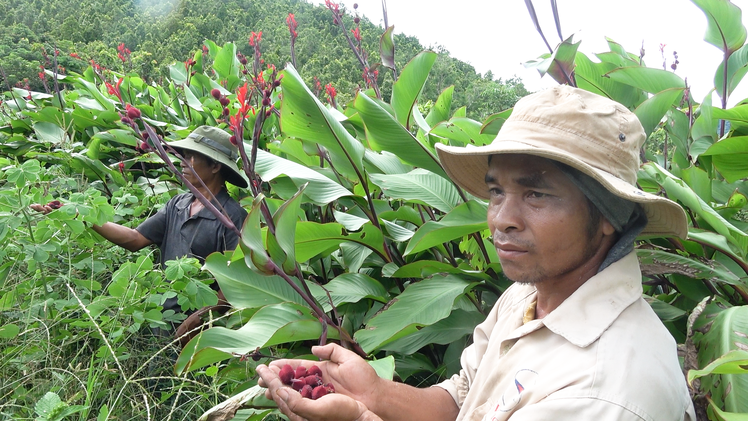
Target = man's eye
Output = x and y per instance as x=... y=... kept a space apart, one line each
x=494 y=191
x=537 y=195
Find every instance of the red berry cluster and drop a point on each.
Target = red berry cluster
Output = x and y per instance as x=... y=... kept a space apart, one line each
x=222 y=99
x=307 y=382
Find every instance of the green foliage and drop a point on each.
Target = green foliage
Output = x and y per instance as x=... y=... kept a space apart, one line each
x=354 y=233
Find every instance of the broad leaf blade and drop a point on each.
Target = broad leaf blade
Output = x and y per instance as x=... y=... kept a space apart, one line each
x=303 y=116
x=384 y=133
x=420 y=186
x=421 y=304
x=409 y=85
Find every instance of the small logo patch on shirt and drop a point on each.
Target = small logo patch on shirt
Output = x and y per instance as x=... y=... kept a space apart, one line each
x=523 y=380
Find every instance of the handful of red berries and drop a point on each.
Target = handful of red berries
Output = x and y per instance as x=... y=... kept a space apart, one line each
x=307 y=382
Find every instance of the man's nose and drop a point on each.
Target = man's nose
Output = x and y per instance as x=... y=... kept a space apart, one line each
x=507 y=215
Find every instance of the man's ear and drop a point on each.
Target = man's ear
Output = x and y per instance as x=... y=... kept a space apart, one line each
x=217 y=168
x=608 y=228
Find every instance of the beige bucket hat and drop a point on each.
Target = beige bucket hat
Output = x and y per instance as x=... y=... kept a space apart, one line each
x=593 y=134
x=215 y=144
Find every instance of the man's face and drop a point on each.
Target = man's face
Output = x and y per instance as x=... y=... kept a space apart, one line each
x=201 y=167
x=539 y=220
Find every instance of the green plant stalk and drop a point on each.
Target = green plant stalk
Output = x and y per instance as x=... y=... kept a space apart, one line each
x=26 y=217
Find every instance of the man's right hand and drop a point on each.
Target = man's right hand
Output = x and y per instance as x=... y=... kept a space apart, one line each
x=350 y=374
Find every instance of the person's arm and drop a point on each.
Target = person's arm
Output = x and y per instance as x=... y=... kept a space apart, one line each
x=352 y=376
x=122 y=236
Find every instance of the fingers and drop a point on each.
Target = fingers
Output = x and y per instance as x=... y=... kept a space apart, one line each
x=334 y=353
x=41 y=208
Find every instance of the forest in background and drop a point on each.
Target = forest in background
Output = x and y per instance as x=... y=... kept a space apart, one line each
x=159 y=33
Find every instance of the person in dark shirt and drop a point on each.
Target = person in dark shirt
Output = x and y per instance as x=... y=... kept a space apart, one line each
x=183 y=227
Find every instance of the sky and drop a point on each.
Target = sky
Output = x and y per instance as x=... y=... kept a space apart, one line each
x=498 y=35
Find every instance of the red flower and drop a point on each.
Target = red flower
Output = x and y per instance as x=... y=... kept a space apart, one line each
x=356 y=33
x=122 y=167
x=331 y=91
x=42 y=75
x=255 y=38
x=123 y=52
x=74 y=55
x=114 y=90
x=292 y=25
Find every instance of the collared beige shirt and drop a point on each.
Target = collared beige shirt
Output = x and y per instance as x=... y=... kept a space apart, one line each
x=603 y=354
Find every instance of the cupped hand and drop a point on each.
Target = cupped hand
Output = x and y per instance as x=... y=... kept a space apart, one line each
x=350 y=374
x=331 y=407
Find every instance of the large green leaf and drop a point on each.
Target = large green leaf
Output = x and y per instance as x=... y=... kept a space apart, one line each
x=651 y=111
x=245 y=288
x=226 y=64
x=251 y=242
x=465 y=219
x=409 y=85
x=493 y=123
x=387 y=48
x=718 y=331
x=663 y=262
x=421 y=304
x=321 y=189
x=285 y=219
x=303 y=116
x=384 y=133
x=419 y=186
x=313 y=238
x=353 y=287
x=725 y=28
x=592 y=77
x=463 y=131
x=440 y=111
x=560 y=64
x=730 y=156
x=737 y=66
x=678 y=190
x=271 y=325
x=647 y=79
x=445 y=331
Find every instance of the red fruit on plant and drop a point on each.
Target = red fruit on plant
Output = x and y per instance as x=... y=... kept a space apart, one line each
x=286 y=374
x=306 y=392
x=314 y=371
x=330 y=388
x=224 y=101
x=226 y=111
x=266 y=101
x=300 y=372
x=216 y=93
x=319 y=392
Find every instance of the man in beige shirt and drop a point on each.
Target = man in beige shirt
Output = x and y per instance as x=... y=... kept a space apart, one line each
x=572 y=338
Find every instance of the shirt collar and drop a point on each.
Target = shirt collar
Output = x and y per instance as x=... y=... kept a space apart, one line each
x=184 y=203
x=593 y=307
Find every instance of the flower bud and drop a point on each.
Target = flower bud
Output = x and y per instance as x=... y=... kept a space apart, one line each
x=266 y=101
x=132 y=112
x=357 y=20
x=225 y=111
x=216 y=93
x=243 y=60
x=355 y=5
x=224 y=101
x=233 y=141
x=126 y=120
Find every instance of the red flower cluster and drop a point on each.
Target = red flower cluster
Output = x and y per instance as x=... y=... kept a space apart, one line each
x=307 y=382
x=75 y=55
x=255 y=38
x=123 y=52
x=331 y=91
x=292 y=25
x=370 y=76
x=114 y=90
x=356 y=33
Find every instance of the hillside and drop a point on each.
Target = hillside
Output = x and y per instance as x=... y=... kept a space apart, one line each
x=159 y=33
